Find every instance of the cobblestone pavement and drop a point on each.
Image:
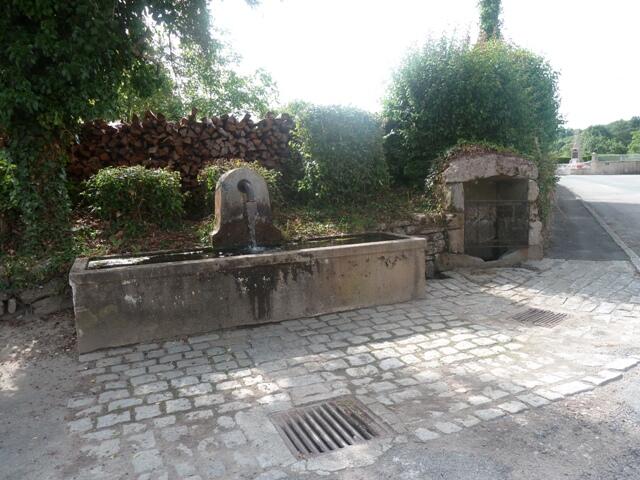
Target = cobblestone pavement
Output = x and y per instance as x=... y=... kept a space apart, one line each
x=199 y=407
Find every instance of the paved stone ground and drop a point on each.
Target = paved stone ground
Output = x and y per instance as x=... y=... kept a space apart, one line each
x=456 y=360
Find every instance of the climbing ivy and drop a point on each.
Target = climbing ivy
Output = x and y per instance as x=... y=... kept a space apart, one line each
x=62 y=62
x=490 y=23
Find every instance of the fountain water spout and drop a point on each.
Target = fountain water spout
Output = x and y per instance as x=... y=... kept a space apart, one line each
x=243 y=212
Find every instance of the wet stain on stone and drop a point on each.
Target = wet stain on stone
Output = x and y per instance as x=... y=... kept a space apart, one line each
x=259 y=283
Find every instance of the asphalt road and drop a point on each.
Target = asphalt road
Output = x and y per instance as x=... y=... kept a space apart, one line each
x=575 y=233
x=616 y=198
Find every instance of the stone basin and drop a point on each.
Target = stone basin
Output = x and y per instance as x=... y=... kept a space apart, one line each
x=121 y=300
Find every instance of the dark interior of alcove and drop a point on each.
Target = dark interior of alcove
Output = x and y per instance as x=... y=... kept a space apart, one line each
x=496 y=215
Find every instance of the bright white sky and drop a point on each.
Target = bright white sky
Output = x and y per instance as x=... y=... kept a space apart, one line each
x=343 y=51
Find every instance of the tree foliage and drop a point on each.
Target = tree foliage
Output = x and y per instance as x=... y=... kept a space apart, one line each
x=341 y=154
x=615 y=137
x=490 y=23
x=600 y=141
x=201 y=79
x=634 y=145
x=62 y=62
x=8 y=184
x=133 y=196
x=450 y=91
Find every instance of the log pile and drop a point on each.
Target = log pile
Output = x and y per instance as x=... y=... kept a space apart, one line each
x=186 y=146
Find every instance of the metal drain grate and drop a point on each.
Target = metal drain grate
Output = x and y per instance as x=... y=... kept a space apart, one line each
x=540 y=318
x=328 y=426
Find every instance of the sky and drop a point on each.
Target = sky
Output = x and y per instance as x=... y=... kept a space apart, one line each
x=344 y=51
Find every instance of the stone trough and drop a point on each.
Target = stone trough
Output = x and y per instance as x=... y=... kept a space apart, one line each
x=125 y=300
x=122 y=300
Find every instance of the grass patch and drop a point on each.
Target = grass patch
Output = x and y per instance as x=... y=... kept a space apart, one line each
x=305 y=221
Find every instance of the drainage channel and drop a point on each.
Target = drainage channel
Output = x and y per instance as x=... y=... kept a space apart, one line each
x=540 y=318
x=328 y=426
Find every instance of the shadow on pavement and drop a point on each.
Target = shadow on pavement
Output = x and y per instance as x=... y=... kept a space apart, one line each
x=575 y=233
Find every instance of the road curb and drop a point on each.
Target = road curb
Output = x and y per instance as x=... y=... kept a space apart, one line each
x=633 y=256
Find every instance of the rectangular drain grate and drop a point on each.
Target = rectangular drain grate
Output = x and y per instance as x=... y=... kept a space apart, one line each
x=327 y=426
x=540 y=318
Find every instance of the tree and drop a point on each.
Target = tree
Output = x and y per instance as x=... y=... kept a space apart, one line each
x=490 y=23
x=340 y=150
x=564 y=143
x=62 y=62
x=599 y=139
x=634 y=146
x=450 y=91
x=205 y=80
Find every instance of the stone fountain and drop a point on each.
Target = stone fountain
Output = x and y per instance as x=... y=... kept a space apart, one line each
x=243 y=212
x=248 y=276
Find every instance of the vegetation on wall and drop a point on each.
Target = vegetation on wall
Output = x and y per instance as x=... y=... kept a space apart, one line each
x=490 y=23
x=340 y=153
x=450 y=90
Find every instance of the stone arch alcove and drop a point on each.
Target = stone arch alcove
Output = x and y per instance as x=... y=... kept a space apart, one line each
x=491 y=201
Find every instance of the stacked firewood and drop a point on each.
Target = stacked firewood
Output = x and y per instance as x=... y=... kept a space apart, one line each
x=186 y=146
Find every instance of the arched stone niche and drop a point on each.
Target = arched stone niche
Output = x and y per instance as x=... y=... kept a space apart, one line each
x=491 y=201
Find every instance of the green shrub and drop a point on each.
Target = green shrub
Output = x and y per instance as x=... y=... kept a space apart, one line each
x=340 y=149
x=135 y=195
x=8 y=198
x=8 y=185
x=209 y=176
x=451 y=90
x=634 y=145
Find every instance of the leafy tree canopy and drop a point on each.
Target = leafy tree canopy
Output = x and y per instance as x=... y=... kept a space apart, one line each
x=191 y=77
x=62 y=62
x=490 y=23
x=451 y=90
x=595 y=140
x=615 y=137
x=634 y=145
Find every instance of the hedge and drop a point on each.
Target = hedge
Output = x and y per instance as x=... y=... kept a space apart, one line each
x=341 y=152
x=135 y=195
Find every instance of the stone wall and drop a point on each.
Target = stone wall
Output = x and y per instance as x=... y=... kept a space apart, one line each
x=625 y=165
x=439 y=231
x=604 y=165
x=50 y=297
